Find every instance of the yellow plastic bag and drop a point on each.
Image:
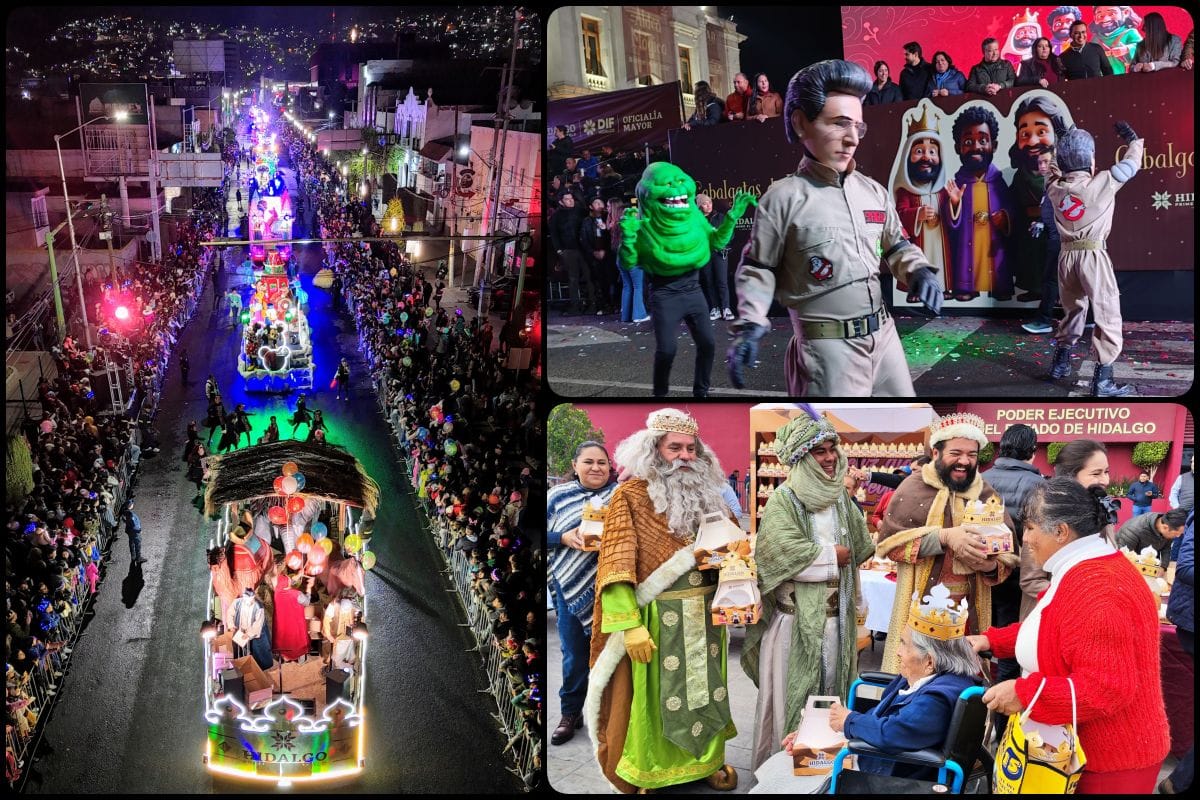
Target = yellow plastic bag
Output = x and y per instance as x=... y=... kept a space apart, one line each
x=1039 y=758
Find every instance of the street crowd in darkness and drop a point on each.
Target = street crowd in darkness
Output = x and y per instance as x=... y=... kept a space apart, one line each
x=84 y=461
x=464 y=422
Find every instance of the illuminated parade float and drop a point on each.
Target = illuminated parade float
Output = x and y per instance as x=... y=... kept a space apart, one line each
x=277 y=353
x=285 y=641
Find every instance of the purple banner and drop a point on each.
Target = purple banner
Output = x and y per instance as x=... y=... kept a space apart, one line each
x=625 y=120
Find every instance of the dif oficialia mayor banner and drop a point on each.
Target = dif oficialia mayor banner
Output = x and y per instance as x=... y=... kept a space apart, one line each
x=628 y=119
x=1153 y=223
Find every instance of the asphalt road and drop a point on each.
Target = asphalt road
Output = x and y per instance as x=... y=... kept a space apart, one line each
x=130 y=717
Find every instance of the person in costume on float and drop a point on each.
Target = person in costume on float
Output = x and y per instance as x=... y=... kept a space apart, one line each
x=668 y=237
x=811 y=540
x=247 y=621
x=572 y=575
x=657 y=702
x=1096 y=625
x=923 y=533
x=1083 y=213
x=936 y=665
x=289 y=628
x=817 y=240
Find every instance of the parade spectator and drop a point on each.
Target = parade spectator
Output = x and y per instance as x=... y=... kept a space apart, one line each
x=1072 y=633
x=594 y=239
x=1159 y=48
x=714 y=278
x=560 y=149
x=916 y=78
x=1181 y=611
x=589 y=164
x=1159 y=531
x=633 y=304
x=738 y=101
x=947 y=80
x=1183 y=489
x=882 y=90
x=764 y=103
x=1084 y=59
x=1043 y=69
x=564 y=238
x=1142 y=492
x=1043 y=321
x=133 y=529
x=708 y=111
x=991 y=74
x=572 y=574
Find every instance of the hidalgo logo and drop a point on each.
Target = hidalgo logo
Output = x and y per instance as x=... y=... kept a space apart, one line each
x=821 y=268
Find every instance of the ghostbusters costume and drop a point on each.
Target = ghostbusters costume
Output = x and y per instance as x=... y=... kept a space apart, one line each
x=1083 y=213
x=818 y=238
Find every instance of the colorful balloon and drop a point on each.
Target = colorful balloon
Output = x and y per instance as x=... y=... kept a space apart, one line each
x=451 y=447
x=300 y=480
x=313 y=570
x=353 y=542
x=368 y=559
x=304 y=543
x=278 y=485
x=325 y=545
x=455 y=385
x=295 y=505
x=319 y=531
x=290 y=468
x=404 y=316
x=278 y=515
x=317 y=555
x=294 y=560
x=290 y=486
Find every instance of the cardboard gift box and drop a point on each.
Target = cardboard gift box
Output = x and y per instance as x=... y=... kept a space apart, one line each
x=591 y=527
x=258 y=686
x=717 y=539
x=737 y=600
x=816 y=743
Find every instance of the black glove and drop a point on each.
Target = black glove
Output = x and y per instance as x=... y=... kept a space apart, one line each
x=1125 y=131
x=744 y=352
x=924 y=284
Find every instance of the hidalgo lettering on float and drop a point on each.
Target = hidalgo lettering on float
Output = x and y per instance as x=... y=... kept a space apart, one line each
x=1180 y=161
x=640 y=122
x=284 y=758
x=1078 y=421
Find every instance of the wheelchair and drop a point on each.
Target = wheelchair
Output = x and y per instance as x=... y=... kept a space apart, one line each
x=963 y=758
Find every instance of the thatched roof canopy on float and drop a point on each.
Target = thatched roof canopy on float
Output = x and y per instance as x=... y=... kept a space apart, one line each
x=330 y=473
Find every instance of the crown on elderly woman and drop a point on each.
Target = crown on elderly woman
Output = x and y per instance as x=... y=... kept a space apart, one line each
x=958 y=426
x=671 y=420
x=938 y=616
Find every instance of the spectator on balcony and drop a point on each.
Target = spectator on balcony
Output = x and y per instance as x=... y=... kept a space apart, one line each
x=1159 y=49
x=709 y=108
x=916 y=79
x=883 y=90
x=947 y=79
x=738 y=102
x=764 y=103
x=991 y=74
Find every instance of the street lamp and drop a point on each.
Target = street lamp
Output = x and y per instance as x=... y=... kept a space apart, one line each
x=119 y=116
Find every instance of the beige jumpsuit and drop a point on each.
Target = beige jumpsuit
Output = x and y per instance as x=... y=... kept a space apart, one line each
x=1083 y=212
x=816 y=246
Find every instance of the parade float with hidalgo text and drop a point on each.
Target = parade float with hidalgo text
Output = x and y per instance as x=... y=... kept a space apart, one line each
x=276 y=353
x=285 y=638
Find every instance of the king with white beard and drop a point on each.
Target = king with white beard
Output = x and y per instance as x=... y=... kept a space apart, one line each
x=658 y=697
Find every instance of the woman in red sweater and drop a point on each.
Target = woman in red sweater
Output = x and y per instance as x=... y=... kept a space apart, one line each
x=1096 y=624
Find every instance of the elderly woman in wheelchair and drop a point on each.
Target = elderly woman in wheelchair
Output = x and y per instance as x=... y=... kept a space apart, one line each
x=916 y=715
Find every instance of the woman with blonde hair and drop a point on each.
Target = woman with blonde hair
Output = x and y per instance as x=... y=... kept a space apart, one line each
x=633 y=306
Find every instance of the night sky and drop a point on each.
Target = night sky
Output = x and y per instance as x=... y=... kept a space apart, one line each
x=783 y=38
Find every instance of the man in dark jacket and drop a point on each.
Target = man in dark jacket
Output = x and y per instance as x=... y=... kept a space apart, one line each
x=916 y=79
x=993 y=73
x=1142 y=492
x=1013 y=476
x=1181 y=610
x=1153 y=530
x=564 y=236
x=1084 y=59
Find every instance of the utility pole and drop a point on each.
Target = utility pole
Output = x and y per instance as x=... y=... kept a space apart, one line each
x=156 y=240
x=59 y=317
x=106 y=234
x=498 y=163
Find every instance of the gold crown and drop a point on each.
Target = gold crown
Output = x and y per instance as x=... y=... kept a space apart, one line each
x=593 y=513
x=980 y=512
x=1147 y=561
x=668 y=420
x=1026 y=18
x=923 y=123
x=938 y=616
x=958 y=426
